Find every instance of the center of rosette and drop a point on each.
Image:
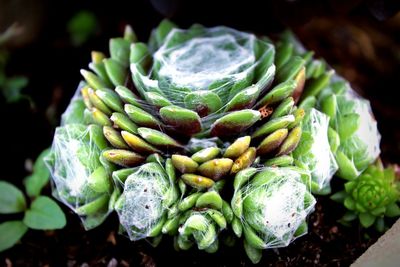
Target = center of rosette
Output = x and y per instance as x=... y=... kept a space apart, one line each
x=199 y=62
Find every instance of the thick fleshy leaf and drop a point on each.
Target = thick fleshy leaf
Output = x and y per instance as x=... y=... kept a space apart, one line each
x=284 y=52
x=122 y=157
x=138 y=144
x=244 y=99
x=393 y=210
x=272 y=125
x=93 y=80
x=366 y=219
x=119 y=50
x=141 y=117
x=128 y=96
x=314 y=86
x=157 y=138
x=245 y=160
x=290 y=69
x=203 y=102
x=162 y=30
x=111 y=99
x=278 y=93
x=235 y=122
x=157 y=99
x=74 y=112
x=116 y=72
x=339 y=196
x=181 y=119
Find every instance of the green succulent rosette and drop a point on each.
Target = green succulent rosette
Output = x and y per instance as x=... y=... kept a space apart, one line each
x=270 y=207
x=373 y=196
x=81 y=177
x=354 y=135
x=314 y=153
x=201 y=222
x=201 y=72
x=147 y=194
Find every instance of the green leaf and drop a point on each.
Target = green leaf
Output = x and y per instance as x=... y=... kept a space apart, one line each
x=366 y=219
x=392 y=210
x=10 y=233
x=339 y=196
x=81 y=27
x=12 y=200
x=380 y=224
x=74 y=112
x=349 y=216
x=12 y=88
x=349 y=203
x=44 y=214
x=253 y=253
x=35 y=182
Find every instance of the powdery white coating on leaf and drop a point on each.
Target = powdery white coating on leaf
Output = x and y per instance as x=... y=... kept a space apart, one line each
x=276 y=207
x=318 y=156
x=143 y=206
x=197 y=63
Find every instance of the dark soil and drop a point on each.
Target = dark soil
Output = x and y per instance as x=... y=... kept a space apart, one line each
x=364 y=50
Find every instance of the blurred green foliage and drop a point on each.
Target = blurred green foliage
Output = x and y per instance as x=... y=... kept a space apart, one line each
x=11 y=87
x=81 y=27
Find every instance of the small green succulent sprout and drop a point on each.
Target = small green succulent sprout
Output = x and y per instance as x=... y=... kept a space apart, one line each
x=201 y=228
x=147 y=194
x=272 y=205
x=194 y=73
x=313 y=151
x=198 y=218
x=81 y=179
x=371 y=197
x=353 y=126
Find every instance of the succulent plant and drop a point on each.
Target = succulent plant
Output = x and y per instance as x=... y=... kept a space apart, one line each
x=82 y=178
x=192 y=74
x=156 y=131
x=371 y=197
x=313 y=152
x=353 y=132
x=148 y=191
x=271 y=205
x=199 y=219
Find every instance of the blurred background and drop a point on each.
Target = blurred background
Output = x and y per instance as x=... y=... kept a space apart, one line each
x=44 y=43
